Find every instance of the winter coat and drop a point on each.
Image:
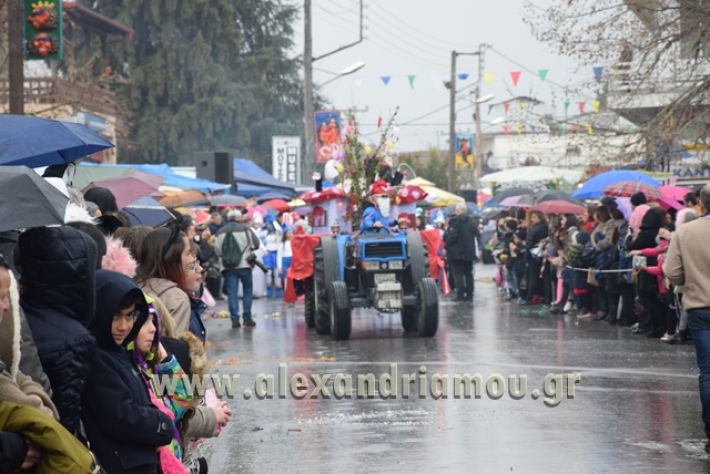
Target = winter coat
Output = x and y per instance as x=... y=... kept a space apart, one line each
x=123 y=426
x=535 y=234
x=62 y=453
x=174 y=298
x=646 y=239
x=15 y=386
x=197 y=327
x=13 y=450
x=461 y=239
x=58 y=298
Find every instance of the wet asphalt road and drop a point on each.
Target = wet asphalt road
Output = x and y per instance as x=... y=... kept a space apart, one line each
x=635 y=409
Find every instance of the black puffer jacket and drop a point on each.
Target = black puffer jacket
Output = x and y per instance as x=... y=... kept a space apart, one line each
x=122 y=425
x=461 y=239
x=58 y=297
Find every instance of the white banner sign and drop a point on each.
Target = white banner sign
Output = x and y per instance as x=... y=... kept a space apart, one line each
x=286 y=154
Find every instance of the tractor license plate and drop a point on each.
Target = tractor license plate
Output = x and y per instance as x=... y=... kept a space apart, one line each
x=384 y=277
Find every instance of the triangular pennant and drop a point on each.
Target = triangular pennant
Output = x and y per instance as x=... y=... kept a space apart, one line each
x=506 y=128
x=412 y=78
x=488 y=77
x=490 y=107
x=463 y=76
x=590 y=128
x=506 y=106
x=515 y=77
x=596 y=105
x=573 y=128
x=522 y=105
x=563 y=129
x=566 y=106
x=598 y=71
x=520 y=128
x=533 y=129
x=581 y=105
x=542 y=74
x=385 y=79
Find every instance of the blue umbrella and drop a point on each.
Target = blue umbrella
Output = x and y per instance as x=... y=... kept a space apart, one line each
x=594 y=188
x=35 y=142
x=147 y=211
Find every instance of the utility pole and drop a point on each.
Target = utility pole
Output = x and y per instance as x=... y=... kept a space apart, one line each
x=451 y=171
x=308 y=118
x=309 y=158
x=15 y=71
x=479 y=138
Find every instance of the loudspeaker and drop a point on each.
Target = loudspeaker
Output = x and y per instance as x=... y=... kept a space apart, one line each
x=215 y=166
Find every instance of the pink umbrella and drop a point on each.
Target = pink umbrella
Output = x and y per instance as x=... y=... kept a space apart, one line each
x=676 y=193
x=510 y=201
x=129 y=187
x=559 y=207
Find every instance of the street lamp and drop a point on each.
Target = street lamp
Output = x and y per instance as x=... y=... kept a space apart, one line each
x=352 y=69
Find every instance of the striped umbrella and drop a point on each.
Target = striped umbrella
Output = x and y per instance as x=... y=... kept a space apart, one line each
x=629 y=188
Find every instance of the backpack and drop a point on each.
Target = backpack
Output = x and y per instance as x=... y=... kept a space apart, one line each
x=231 y=253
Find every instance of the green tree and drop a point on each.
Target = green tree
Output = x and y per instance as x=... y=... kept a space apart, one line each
x=205 y=75
x=429 y=165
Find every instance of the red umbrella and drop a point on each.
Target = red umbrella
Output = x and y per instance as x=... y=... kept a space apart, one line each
x=130 y=187
x=278 y=204
x=559 y=207
x=629 y=188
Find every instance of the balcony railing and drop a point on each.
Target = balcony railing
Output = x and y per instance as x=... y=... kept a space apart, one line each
x=55 y=91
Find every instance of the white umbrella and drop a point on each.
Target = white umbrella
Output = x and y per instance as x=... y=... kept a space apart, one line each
x=532 y=174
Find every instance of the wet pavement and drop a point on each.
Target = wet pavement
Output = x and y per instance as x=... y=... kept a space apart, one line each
x=635 y=409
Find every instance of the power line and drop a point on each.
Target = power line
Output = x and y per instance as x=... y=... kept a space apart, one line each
x=433 y=50
x=397 y=19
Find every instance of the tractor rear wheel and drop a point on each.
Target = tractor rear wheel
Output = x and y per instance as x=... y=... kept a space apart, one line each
x=427 y=307
x=326 y=269
x=340 y=312
x=418 y=260
x=310 y=303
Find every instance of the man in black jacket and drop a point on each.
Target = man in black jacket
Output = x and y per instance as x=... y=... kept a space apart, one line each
x=461 y=240
x=58 y=297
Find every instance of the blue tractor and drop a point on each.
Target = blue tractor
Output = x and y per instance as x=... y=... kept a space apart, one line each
x=384 y=271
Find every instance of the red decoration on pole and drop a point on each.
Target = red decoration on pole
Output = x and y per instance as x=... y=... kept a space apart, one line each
x=515 y=76
x=581 y=104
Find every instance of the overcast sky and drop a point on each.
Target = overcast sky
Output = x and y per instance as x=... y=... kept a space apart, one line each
x=405 y=37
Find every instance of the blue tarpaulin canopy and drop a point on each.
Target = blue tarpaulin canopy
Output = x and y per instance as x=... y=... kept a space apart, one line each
x=254 y=181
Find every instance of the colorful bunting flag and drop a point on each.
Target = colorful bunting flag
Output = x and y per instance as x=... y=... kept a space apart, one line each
x=566 y=106
x=385 y=79
x=590 y=129
x=542 y=74
x=533 y=129
x=488 y=77
x=522 y=105
x=515 y=76
x=412 y=78
x=596 y=105
x=463 y=76
x=581 y=105
x=520 y=128
x=573 y=128
x=598 y=71
x=506 y=106
x=490 y=107
x=506 y=128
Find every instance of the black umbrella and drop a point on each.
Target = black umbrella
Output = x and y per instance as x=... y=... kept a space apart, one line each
x=27 y=200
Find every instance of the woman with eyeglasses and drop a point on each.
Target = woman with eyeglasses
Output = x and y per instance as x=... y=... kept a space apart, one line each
x=164 y=271
x=122 y=425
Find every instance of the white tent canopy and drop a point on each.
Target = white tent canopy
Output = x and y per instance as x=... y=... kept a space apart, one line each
x=532 y=174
